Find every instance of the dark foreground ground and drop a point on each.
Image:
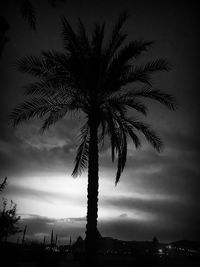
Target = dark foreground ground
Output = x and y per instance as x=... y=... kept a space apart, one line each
x=15 y=257
x=117 y=261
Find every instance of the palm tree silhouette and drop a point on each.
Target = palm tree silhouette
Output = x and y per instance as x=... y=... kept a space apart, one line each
x=100 y=79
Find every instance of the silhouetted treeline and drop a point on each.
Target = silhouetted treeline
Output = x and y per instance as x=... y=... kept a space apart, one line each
x=8 y=218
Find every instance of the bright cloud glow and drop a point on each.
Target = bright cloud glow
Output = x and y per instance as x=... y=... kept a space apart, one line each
x=61 y=196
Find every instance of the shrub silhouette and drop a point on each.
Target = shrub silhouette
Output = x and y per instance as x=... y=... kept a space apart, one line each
x=8 y=218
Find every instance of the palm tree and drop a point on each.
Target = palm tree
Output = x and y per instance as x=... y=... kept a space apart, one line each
x=101 y=80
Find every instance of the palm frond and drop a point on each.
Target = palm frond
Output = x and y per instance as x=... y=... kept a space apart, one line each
x=83 y=38
x=81 y=159
x=143 y=73
x=117 y=132
x=119 y=71
x=117 y=38
x=35 y=107
x=119 y=24
x=114 y=105
x=103 y=132
x=97 y=39
x=148 y=132
x=51 y=66
x=111 y=130
x=53 y=117
x=56 y=59
x=32 y=65
x=125 y=128
x=120 y=101
x=71 y=42
x=131 y=131
x=134 y=137
x=128 y=52
x=49 y=89
x=153 y=66
x=28 y=13
x=156 y=65
x=134 y=76
x=122 y=155
x=40 y=88
x=166 y=99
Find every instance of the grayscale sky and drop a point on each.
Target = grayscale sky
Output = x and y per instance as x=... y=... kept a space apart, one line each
x=159 y=193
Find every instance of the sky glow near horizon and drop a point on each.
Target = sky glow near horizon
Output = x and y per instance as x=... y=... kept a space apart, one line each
x=158 y=194
x=58 y=194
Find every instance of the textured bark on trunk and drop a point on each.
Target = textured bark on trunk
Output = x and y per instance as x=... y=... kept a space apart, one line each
x=92 y=197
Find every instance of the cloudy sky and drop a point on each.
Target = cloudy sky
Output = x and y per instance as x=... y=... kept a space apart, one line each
x=159 y=193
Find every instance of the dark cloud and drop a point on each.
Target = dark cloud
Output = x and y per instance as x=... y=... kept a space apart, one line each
x=29 y=150
x=172 y=210
x=40 y=226
x=37 y=224
x=123 y=215
x=122 y=228
x=136 y=230
x=171 y=180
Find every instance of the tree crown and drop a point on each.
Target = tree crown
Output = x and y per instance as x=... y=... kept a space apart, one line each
x=99 y=78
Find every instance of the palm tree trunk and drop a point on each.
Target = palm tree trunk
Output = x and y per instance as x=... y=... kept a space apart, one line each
x=92 y=197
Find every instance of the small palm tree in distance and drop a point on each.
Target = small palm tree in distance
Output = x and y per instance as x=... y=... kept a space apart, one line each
x=101 y=79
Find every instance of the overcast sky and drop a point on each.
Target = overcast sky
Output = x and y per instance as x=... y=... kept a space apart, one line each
x=158 y=194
